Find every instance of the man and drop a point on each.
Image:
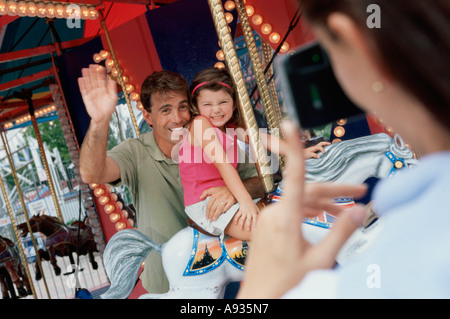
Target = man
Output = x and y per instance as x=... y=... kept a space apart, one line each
x=144 y=164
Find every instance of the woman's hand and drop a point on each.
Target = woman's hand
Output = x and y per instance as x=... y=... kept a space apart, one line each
x=279 y=256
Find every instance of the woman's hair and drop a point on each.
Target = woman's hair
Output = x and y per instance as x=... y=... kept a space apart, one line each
x=413 y=43
x=214 y=79
x=162 y=82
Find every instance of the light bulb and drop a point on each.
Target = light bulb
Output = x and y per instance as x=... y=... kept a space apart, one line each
x=104 y=54
x=339 y=131
x=84 y=12
x=120 y=226
x=99 y=192
x=220 y=56
x=93 y=13
x=229 y=5
x=3 y=8
x=219 y=65
x=60 y=11
x=31 y=9
x=109 y=208
x=51 y=11
x=274 y=37
x=109 y=63
x=266 y=28
x=97 y=58
x=229 y=17
x=125 y=79
x=134 y=96
x=104 y=200
x=11 y=7
x=284 y=47
x=22 y=9
x=257 y=19
x=250 y=10
x=114 y=217
x=129 y=88
x=115 y=72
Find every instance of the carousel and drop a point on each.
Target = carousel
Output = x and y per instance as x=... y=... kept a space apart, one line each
x=57 y=231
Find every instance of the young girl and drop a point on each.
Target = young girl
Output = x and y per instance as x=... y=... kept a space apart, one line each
x=208 y=156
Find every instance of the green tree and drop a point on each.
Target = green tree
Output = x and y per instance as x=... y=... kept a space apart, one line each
x=52 y=135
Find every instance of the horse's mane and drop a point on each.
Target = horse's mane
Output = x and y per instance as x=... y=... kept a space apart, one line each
x=52 y=219
x=338 y=155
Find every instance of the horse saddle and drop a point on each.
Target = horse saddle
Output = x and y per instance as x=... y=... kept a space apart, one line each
x=67 y=235
x=208 y=253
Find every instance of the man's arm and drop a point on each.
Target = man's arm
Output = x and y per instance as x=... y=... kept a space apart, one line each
x=95 y=166
x=99 y=95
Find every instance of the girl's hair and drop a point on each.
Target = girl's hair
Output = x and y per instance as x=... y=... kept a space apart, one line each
x=412 y=43
x=215 y=79
x=162 y=82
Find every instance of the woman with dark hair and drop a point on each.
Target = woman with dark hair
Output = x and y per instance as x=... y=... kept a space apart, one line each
x=398 y=71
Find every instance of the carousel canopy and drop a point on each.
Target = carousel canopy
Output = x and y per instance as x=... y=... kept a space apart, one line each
x=146 y=35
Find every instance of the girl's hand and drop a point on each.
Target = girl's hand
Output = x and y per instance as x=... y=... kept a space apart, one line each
x=247 y=215
x=311 y=152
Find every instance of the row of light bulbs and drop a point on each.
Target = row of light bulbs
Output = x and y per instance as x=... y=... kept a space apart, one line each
x=47 y=10
x=257 y=19
x=105 y=55
x=229 y=6
x=266 y=28
x=38 y=113
x=111 y=206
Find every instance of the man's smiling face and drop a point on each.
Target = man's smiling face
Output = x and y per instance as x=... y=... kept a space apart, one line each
x=169 y=115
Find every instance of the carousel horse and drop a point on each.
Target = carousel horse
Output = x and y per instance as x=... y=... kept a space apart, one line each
x=61 y=240
x=200 y=266
x=11 y=264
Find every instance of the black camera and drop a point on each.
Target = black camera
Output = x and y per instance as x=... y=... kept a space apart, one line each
x=310 y=90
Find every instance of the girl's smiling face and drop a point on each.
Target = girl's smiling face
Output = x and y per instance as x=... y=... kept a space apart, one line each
x=217 y=106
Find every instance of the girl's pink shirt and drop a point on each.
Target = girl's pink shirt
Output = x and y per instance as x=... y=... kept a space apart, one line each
x=197 y=172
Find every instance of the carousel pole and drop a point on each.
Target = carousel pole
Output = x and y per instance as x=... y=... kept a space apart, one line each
x=271 y=114
x=13 y=220
x=119 y=72
x=43 y=156
x=245 y=105
x=267 y=54
x=273 y=93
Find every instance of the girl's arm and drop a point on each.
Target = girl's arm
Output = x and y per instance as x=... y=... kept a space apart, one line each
x=270 y=142
x=276 y=145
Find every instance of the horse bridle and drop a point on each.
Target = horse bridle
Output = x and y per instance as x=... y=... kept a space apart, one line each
x=398 y=163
